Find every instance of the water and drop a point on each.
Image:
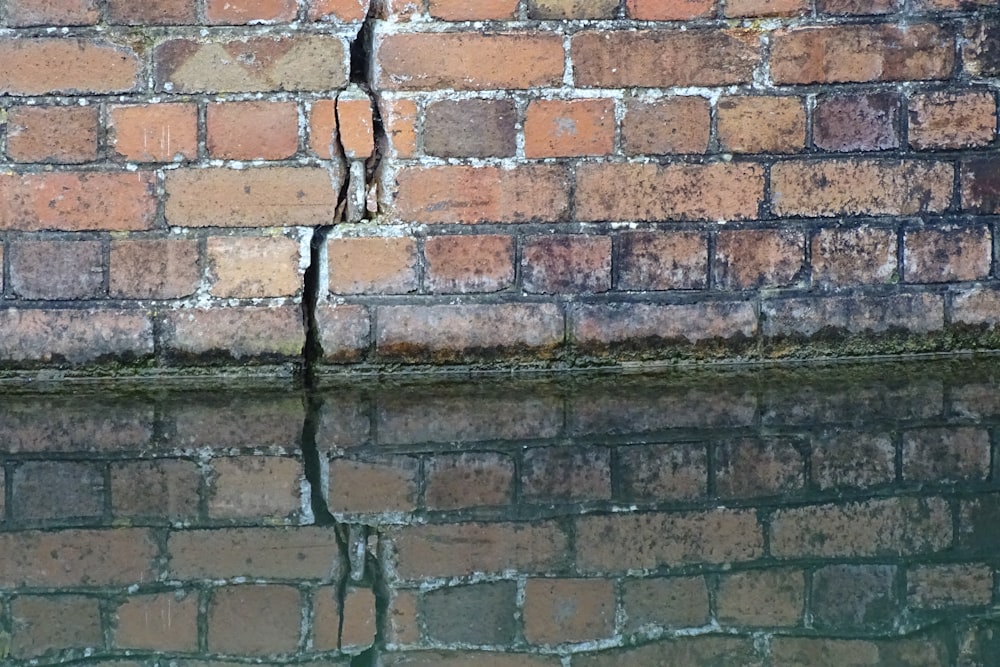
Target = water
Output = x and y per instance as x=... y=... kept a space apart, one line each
x=818 y=516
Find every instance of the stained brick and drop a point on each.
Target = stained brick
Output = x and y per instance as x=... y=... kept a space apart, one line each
x=477 y=614
x=977 y=521
x=748 y=259
x=252 y=130
x=482 y=263
x=56 y=269
x=853 y=596
x=952 y=119
x=940 y=586
x=669 y=10
x=152 y=12
x=976 y=306
x=670 y=125
x=981 y=50
x=851 y=458
x=61 y=135
x=662 y=261
x=769 y=598
x=569 y=128
x=250 y=267
x=254 y=620
x=854 y=256
x=24 y=13
x=241 y=12
x=980 y=185
x=567 y=263
x=385 y=484
x=74 y=336
x=423 y=658
x=568 y=610
x=561 y=474
x=338 y=10
x=44 y=624
x=344 y=331
x=154 y=269
x=954 y=454
x=947 y=254
x=761 y=124
x=66 y=65
x=470 y=128
x=154 y=132
x=740 y=8
x=399 y=121
x=468 y=480
x=663 y=472
x=809 y=651
x=246 y=487
x=847 y=123
x=854 y=7
x=158 y=622
x=669 y=602
x=706 y=650
x=748 y=467
x=375 y=265
x=915 y=313
x=245 y=333
x=80 y=486
x=165 y=489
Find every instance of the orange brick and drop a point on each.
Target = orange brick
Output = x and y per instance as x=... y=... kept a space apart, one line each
x=159 y=622
x=572 y=9
x=154 y=132
x=241 y=12
x=63 y=135
x=482 y=263
x=468 y=61
x=568 y=610
x=952 y=119
x=387 y=484
x=947 y=254
x=152 y=12
x=357 y=129
x=399 y=119
x=358 y=631
x=741 y=8
x=338 y=10
x=569 y=128
x=762 y=124
x=671 y=125
x=480 y=10
x=854 y=256
x=252 y=130
x=43 y=624
x=774 y=597
x=572 y=263
x=372 y=265
x=754 y=258
x=247 y=333
x=662 y=260
x=154 y=269
x=24 y=13
x=854 y=7
x=669 y=10
x=324 y=141
x=255 y=486
x=250 y=267
x=66 y=65
x=254 y=620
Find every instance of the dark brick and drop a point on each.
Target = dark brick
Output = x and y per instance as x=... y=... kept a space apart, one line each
x=476 y=614
x=982 y=50
x=663 y=472
x=662 y=260
x=748 y=467
x=56 y=269
x=978 y=521
x=57 y=490
x=470 y=128
x=846 y=123
x=853 y=596
x=669 y=602
x=981 y=185
x=567 y=263
x=566 y=474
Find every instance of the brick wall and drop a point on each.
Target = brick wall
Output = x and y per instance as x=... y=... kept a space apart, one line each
x=192 y=182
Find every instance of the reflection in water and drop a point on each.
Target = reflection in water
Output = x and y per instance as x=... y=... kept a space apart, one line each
x=769 y=517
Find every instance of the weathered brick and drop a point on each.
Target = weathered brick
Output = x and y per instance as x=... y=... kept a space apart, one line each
x=266 y=197
x=977 y=524
x=163 y=489
x=64 y=558
x=356 y=124
x=569 y=128
x=981 y=48
x=669 y=602
x=344 y=420
x=462 y=10
x=77 y=201
x=3 y=495
x=952 y=454
x=252 y=130
x=980 y=185
x=241 y=12
x=470 y=128
x=399 y=121
x=976 y=306
x=860 y=53
x=154 y=132
x=669 y=10
x=458 y=194
x=265 y=553
x=449 y=332
x=938 y=586
x=713 y=191
x=952 y=119
x=468 y=61
x=758 y=124
x=324 y=137
x=56 y=269
x=854 y=7
x=385 y=484
x=152 y=12
x=158 y=622
x=344 y=331
x=705 y=650
x=238 y=421
x=852 y=458
x=425 y=658
x=914 y=313
x=563 y=474
x=567 y=263
x=372 y=265
x=854 y=256
x=24 y=13
x=74 y=336
x=61 y=135
x=947 y=254
x=819 y=188
x=670 y=125
x=894 y=526
x=47 y=624
x=751 y=467
x=450 y=550
x=299 y=62
x=741 y=8
x=254 y=620
x=755 y=258
x=620 y=542
x=98 y=423
x=810 y=652
x=851 y=597
x=399 y=10
x=662 y=261
x=80 y=491
x=568 y=610
x=66 y=65
x=477 y=614
x=773 y=597
x=154 y=268
x=245 y=487
x=338 y=10
x=242 y=333
x=663 y=472
x=482 y=263
x=858 y=122
x=572 y=9
x=468 y=480
x=253 y=267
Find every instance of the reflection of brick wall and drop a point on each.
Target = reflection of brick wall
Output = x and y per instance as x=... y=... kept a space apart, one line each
x=552 y=180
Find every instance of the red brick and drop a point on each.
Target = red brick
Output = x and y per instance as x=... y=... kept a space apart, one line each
x=74 y=336
x=163 y=489
x=760 y=124
x=662 y=261
x=158 y=622
x=477 y=614
x=252 y=130
x=386 y=484
x=154 y=269
x=952 y=119
x=620 y=542
x=250 y=267
x=663 y=472
x=941 y=586
x=64 y=558
x=66 y=65
x=265 y=197
x=953 y=454
x=468 y=480
x=152 y=12
x=324 y=138
x=563 y=474
x=24 y=13
x=290 y=63
x=706 y=650
x=344 y=331
x=569 y=128
x=715 y=191
x=947 y=254
x=244 y=333
x=850 y=458
x=482 y=10
x=372 y=265
x=671 y=125
x=636 y=325
x=455 y=194
x=482 y=263
x=568 y=610
x=754 y=258
x=894 y=526
x=851 y=597
x=338 y=10
x=81 y=491
x=62 y=135
x=567 y=263
x=56 y=269
x=357 y=631
x=245 y=487
x=848 y=123
x=449 y=550
x=45 y=624
x=77 y=201
x=254 y=620
x=468 y=61
x=981 y=185
x=572 y=9
x=356 y=124
x=773 y=597
x=154 y=132
x=915 y=313
x=663 y=58
x=668 y=602
x=860 y=187
x=470 y=128
x=241 y=12
x=853 y=7
x=740 y=8
x=399 y=121
x=854 y=256
x=401 y=618
x=860 y=53
x=261 y=553
x=748 y=467
x=669 y=10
